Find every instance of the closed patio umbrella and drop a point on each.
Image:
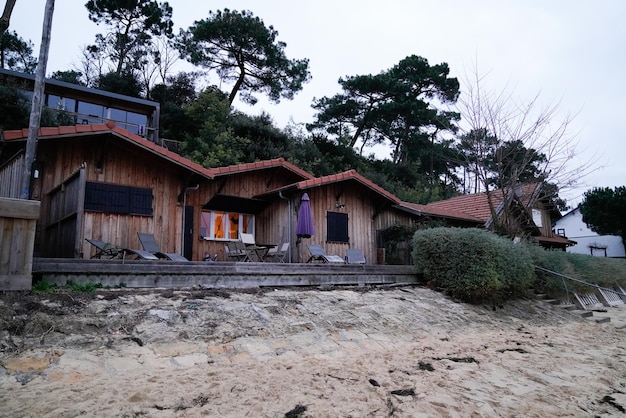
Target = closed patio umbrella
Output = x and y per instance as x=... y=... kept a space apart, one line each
x=304 y=223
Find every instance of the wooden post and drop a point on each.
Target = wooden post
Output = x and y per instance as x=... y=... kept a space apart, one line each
x=18 y=218
x=35 y=113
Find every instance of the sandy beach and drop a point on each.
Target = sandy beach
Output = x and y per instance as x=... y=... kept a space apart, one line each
x=400 y=352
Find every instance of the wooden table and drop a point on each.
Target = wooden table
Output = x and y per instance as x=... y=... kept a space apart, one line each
x=261 y=250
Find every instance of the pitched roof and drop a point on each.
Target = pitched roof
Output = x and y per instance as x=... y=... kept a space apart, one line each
x=476 y=206
x=438 y=212
x=555 y=239
x=259 y=165
x=350 y=175
x=109 y=128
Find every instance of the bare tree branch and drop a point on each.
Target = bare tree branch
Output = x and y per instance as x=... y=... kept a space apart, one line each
x=6 y=15
x=504 y=140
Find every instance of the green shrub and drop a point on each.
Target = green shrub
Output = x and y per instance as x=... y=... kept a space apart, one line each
x=83 y=288
x=473 y=265
x=42 y=286
x=601 y=271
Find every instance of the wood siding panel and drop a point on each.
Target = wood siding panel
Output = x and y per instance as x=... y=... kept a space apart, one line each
x=11 y=177
x=17 y=239
x=109 y=160
x=271 y=224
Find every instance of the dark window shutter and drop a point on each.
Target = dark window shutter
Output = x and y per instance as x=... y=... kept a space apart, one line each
x=112 y=198
x=140 y=201
x=337 y=227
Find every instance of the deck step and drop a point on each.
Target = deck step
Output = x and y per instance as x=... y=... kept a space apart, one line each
x=603 y=320
x=586 y=314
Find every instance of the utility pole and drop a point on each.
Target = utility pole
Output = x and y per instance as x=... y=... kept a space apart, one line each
x=35 y=112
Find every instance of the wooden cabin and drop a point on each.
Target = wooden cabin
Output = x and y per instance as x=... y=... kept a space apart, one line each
x=346 y=209
x=102 y=182
x=236 y=200
x=109 y=176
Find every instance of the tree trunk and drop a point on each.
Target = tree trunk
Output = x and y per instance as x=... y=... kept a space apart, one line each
x=35 y=113
x=6 y=16
x=238 y=83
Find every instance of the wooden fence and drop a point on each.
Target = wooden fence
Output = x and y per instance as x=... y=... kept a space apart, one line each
x=18 y=219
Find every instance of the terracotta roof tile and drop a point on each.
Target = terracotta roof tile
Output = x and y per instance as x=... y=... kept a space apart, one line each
x=163 y=152
x=48 y=131
x=112 y=128
x=477 y=205
x=15 y=134
x=555 y=240
x=64 y=130
x=442 y=212
x=259 y=165
x=350 y=175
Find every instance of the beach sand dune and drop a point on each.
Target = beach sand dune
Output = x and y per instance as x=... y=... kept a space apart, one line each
x=401 y=352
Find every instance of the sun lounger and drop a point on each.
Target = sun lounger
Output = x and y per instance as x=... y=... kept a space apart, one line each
x=149 y=244
x=355 y=256
x=104 y=249
x=318 y=254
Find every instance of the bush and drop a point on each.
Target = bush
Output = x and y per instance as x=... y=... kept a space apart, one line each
x=473 y=265
x=42 y=286
x=601 y=271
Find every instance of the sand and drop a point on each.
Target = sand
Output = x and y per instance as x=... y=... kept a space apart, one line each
x=401 y=352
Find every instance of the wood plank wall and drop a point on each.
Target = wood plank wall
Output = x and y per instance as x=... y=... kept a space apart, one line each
x=17 y=236
x=109 y=160
x=272 y=224
x=11 y=177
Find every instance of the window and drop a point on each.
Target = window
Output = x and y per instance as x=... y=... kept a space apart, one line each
x=337 y=227
x=90 y=109
x=537 y=219
x=103 y=197
x=136 y=123
x=226 y=226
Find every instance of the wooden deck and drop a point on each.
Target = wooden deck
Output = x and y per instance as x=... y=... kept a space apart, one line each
x=171 y=274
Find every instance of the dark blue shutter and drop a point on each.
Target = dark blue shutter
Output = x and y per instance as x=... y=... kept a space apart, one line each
x=337 y=227
x=112 y=198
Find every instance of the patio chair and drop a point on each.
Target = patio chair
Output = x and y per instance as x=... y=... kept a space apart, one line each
x=355 y=256
x=148 y=242
x=318 y=254
x=247 y=239
x=278 y=254
x=104 y=249
x=237 y=251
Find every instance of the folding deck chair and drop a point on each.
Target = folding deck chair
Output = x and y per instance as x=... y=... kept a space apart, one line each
x=277 y=254
x=149 y=244
x=318 y=254
x=237 y=251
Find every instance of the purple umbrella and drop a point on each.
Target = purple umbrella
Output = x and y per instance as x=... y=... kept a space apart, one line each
x=304 y=225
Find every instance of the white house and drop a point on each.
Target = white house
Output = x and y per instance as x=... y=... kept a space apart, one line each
x=571 y=225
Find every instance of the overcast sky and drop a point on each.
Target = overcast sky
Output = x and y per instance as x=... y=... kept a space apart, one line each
x=572 y=52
